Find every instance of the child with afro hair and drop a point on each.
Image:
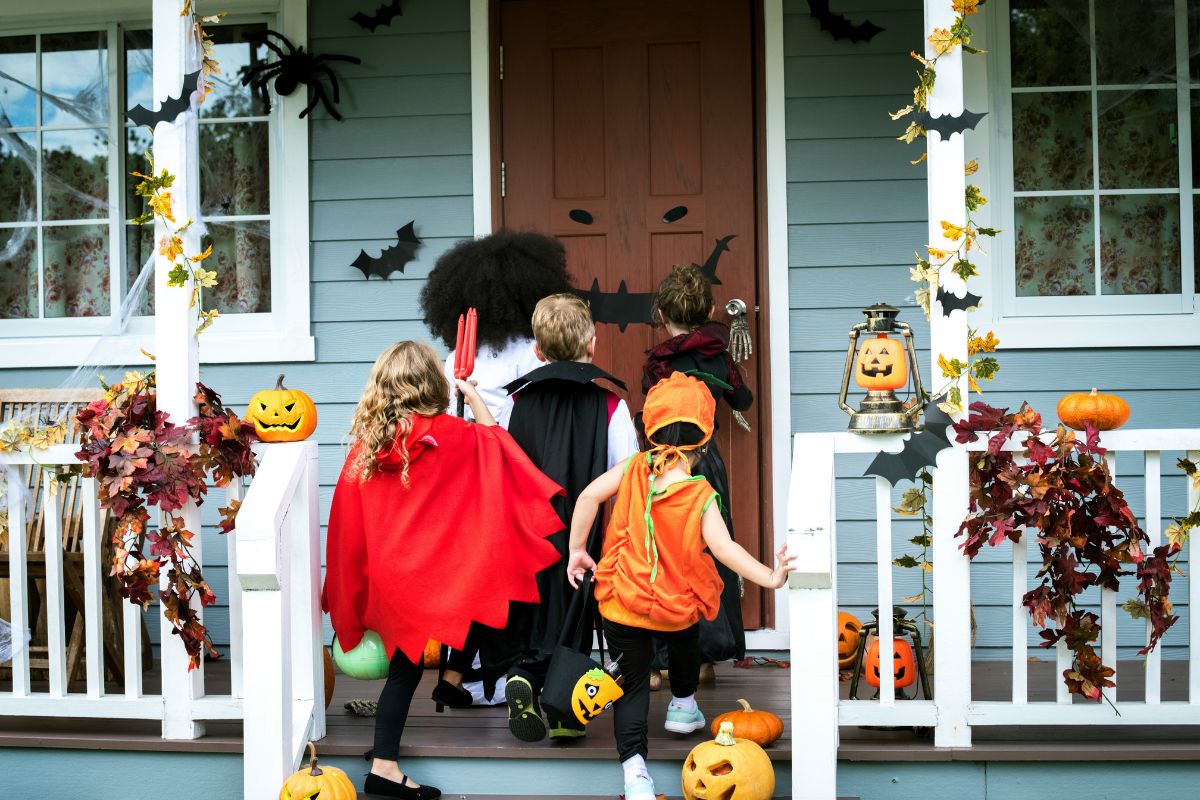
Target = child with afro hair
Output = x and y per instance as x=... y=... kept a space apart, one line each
x=502 y=276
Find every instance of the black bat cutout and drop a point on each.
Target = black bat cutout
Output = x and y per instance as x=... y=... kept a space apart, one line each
x=383 y=16
x=170 y=108
x=919 y=451
x=839 y=26
x=392 y=258
x=623 y=308
x=948 y=124
x=951 y=302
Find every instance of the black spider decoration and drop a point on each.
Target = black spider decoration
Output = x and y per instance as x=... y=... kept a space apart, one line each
x=292 y=69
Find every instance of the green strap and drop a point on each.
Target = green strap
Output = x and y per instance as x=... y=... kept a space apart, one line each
x=708 y=502
x=651 y=541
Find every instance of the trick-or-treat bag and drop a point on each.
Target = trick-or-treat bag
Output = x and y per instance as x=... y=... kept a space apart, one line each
x=576 y=685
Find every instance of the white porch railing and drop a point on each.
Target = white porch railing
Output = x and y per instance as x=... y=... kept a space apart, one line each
x=274 y=566
x=812 y=536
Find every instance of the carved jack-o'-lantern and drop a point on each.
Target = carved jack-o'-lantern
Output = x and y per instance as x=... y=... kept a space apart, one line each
x=594 y=691
x=728 y=769
x=882 y=364
x=313 y=781
x=848 y=628
x=904 y=665
x=282 y=415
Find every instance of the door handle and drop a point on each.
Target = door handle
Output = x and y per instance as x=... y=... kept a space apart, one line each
x=740 y=346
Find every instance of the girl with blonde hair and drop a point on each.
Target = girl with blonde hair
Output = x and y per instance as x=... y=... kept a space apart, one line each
x=436 y=523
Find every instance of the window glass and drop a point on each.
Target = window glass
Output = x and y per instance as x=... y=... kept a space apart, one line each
x=18 y=273
x=76 y=270
x=18 y=190
x=1139 y=244
x=75 y=174
x=1052 y=141
x=229 y=98
x=1049 y=41
x=75 y=78
x=1056 y=246
x=1135 y=41
x=18 y=81
x=1139 y=139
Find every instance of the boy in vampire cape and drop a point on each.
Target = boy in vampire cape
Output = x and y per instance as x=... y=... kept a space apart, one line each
x=574 y=430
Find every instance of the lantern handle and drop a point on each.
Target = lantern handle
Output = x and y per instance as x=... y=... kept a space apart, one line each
x=906 y=329
x=850 y=351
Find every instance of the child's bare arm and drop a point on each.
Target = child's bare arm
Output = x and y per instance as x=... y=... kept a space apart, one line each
x=734 y=556
x=597 y=493
x=483 y=414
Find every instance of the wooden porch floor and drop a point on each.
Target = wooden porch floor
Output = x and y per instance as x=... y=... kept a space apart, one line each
x=483 y=732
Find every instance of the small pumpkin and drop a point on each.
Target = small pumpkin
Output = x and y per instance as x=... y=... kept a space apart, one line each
x=1105 y=412
x=882 y=364
x=432 y=657
x=329 y=677
x=904 y=665
x=728 y=768
x=311 y=781
x=760 y=727
x=849 y=629
x=282 y=414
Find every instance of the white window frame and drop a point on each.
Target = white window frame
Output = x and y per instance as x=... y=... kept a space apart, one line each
x=283 y=333
x=1059 y=322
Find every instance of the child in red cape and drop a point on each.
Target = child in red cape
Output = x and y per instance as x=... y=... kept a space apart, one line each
x=436 y=523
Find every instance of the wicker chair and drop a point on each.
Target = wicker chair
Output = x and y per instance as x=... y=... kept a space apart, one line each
x=70 y=497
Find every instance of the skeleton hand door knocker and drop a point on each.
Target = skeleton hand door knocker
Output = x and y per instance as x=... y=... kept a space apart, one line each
x=740 y=346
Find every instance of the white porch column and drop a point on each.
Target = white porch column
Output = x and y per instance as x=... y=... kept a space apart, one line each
x=177 y=365
x=948 y=336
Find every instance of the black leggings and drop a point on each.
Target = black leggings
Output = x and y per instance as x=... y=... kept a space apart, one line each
x=633 y=648
x=394 y=700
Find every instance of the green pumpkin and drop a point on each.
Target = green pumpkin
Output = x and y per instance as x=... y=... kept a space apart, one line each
x=366 y=662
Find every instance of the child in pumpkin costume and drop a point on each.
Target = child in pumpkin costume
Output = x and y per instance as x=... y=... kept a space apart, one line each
x=402 y=565
x=654 y=579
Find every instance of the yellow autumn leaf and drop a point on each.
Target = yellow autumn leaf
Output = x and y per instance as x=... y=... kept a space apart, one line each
x=974 y=386
x=170 y=246
x=206 y=321
x=149 y=355
x=936 y=253
x=925 y=565
x=966 y=7
x=195 y=296
x=953 y=232
x=916 y=598
x=943 y=41
x=986 y=344
x=1175 y=534
x=161 y=205
x=898 y=114
x=206 y=278
x=972 y=167
x=924 y=156
x=924 y=61
x=202 y=256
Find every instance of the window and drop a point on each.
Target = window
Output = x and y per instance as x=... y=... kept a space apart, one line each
x=68 y=253
x=1097 y=176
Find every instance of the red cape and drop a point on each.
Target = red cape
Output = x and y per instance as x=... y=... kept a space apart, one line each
x=466 y=536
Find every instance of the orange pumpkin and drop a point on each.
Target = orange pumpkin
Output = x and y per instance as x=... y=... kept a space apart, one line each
x=312 y=782
x=282 y=415
x=1105 y=412
x=329 y=678
x=848 y=636
x=760 y=727
x=728 y=768
x=432 y=659
x=905 y=666
x=882 y=364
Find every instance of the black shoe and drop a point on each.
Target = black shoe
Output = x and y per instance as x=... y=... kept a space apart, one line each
x=448 y=694
x=380 y=786
x=524 y=713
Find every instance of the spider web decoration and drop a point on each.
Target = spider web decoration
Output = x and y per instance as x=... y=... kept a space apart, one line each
x=839 y=26
x=292 y=69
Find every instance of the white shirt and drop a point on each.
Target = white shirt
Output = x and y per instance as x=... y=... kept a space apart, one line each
x=622 y=436
x=495 y=369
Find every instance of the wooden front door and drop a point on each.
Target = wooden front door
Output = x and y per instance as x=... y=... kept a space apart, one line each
x=614 y=113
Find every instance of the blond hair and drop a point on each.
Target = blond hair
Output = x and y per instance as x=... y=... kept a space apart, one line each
x=407 y=379
x=685 y=297
x=562 y=327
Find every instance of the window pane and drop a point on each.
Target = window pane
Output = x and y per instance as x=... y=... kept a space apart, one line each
x=75 y=258
x=1135 y=42
x=1193 y=12
x=1139 y=139
x=1052 y=141
x=18 y=77
x=75 y=174
x=236 y=57
x=1139 y=244
x=1049 y=41
x=139 y=247
x=1056 y=246
x=139 y=69
x=18 y=191
x=242 y=258
x=18 y=273
x=75 y=78
x=235 y=170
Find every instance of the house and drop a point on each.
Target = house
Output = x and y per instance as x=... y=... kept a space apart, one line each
x=464 y=115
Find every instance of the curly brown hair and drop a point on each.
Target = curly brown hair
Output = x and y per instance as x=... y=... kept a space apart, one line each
x=685 y=297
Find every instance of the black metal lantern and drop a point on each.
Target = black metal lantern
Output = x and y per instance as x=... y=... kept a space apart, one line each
x=882 y=366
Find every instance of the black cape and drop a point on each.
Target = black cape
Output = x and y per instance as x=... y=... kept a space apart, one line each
x=560 y=420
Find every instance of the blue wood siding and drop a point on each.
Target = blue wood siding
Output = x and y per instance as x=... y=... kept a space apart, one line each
x=857 y=211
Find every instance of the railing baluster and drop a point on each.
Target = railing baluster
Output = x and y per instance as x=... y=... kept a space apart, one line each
x=131 y=622
x=1062 y=662
x=1152 y=525
x=18 y=583
x=1108 y=609
x=55 y=607
x=234 y=492
x=1193 y=494
x=1020 y=642
x=93 y=611
x=883 y=550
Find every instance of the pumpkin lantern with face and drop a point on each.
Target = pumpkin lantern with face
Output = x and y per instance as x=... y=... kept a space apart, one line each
x=594 y=691
x=904 y=665
x=848 y=628
x=882 y=365
x=728 y=769
x=282 y=415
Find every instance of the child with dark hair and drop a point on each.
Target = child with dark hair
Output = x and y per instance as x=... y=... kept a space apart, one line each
x=655 y=580
x=502 y=276
x=700 y=346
